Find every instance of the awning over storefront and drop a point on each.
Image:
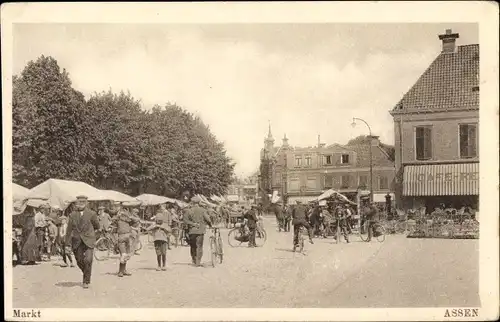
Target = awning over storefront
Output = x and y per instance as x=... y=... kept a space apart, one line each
x=441 y=180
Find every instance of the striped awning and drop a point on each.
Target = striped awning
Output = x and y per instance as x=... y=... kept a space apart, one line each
x=441 y=180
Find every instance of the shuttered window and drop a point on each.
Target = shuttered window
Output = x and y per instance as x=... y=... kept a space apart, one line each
x=423 y=142
x=345 y=181
x=468 y=141
x=328 y=181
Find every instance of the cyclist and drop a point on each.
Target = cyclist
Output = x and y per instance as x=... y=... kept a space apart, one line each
x=299 y=216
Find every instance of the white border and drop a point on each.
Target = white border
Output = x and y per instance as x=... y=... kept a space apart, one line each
x=485 y=13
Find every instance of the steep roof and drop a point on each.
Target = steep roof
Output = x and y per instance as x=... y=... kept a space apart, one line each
x=448 y=83
x=379 y=156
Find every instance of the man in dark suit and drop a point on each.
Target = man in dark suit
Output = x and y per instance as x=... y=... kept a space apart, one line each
x=299 y=219
x=80 y=234
x=251 y=217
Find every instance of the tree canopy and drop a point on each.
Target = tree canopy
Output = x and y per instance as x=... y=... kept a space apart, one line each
x=109 y=141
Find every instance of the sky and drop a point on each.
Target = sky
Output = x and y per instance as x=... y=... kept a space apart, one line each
x=304 y=79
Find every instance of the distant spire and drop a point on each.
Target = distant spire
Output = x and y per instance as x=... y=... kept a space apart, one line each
x=269 y=134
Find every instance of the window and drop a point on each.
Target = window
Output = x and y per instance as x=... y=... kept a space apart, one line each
x=328 y=159
x=345 y=181
x=344 y=159
x=294 y=184
x=308 y=161
x=363 y=181
x=311 y=183
x=423 y=142
x=468 y=141
x=298 y=161
x=328 y=181
x=383 y=183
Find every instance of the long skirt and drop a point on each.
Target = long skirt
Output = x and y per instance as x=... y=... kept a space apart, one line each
x=30 y=251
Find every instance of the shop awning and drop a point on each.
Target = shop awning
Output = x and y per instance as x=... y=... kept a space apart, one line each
x=441 y=180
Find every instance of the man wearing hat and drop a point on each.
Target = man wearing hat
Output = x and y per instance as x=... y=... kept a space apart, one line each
x=196 y=219
x=124 y=222
x=299 y=219
x=251 y=217
x=80 y=234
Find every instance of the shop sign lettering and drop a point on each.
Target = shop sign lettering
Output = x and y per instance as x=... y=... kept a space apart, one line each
x=449 y=176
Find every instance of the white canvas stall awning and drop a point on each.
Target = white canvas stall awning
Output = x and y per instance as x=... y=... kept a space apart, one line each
x=19 y=196
x=304 y=199
x=332 y=193
x=60 y=193
x=147 y=199
x=118 y=196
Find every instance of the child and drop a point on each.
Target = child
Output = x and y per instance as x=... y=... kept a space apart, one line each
x=65 y=249
x=161 y=231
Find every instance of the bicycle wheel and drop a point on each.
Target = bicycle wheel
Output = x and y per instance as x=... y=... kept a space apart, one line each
x=213 y=251
x=381 y=236
x=220 y=249
x=260 y=238
x=102 y=249
x=232 y=237
x=363 y=231
x=400 y=227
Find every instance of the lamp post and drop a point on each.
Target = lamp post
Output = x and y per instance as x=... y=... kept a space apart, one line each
x=371 y=159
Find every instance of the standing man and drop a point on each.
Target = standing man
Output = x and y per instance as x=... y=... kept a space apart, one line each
x=104 y=220
x=196 y=218
x=251 y=217
x=342 y=221
x=80 y=234
x=299 y=217
x=278 y=211
x=40 y=224
x=123 y=221
x=371 y=216
x=287 y=217
x=135 y=233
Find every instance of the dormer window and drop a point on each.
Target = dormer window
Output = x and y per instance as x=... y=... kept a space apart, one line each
x=344 y=159
x=328 y=159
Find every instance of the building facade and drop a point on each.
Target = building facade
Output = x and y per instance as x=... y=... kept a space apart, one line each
x=297 y=173
x=436 y=127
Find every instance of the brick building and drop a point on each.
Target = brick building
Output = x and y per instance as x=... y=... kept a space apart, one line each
x=436 y=132
x=303 y=173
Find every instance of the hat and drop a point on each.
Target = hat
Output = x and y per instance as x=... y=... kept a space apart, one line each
x=116 y=203
x=101 y=207
x=44 y=206
x=82 y=197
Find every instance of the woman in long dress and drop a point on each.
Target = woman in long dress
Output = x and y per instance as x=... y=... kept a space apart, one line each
x=29 y=253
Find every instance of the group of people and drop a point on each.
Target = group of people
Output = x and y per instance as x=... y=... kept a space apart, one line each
x=76 y=234
x=321 y=219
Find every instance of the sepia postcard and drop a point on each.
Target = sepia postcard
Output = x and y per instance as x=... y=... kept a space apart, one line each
x=250 y=161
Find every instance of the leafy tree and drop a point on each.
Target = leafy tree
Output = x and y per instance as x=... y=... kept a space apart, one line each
x=47 y=125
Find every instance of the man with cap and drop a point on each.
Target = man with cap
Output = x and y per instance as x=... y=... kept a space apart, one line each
x=299 y=219
x=80 y=234
x=251 y=217
x=371 y=216
x=196 y=219
x=123 y=221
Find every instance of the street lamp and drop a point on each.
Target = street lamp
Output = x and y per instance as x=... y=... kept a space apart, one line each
x=371 y=159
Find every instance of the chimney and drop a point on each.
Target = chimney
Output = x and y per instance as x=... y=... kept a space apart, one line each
x=448 y=40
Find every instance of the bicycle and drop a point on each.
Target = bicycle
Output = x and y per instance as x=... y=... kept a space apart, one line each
x=301 y=242
x=241 y=234
x=109 y=243
x=379 y=231
x=216 y=248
